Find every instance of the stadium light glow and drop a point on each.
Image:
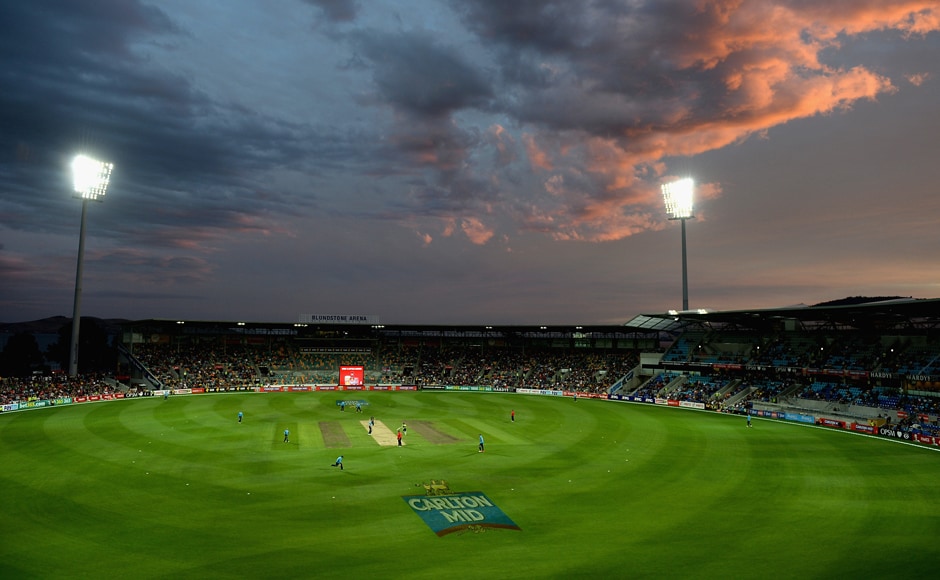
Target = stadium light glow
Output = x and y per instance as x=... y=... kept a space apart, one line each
x=90 y=179
x=678 y=198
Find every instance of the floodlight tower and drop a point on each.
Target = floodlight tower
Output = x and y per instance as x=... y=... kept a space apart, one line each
x=678 y=197
x=90 y=178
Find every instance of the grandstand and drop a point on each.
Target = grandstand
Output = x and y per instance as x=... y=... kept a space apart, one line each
x=873 y=361
x=169 y=354
x=857 y=360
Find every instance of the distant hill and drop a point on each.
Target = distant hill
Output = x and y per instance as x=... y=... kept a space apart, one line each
x=853 y=300
x=52 y=325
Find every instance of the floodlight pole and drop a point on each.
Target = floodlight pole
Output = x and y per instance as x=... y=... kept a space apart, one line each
x=678 y=198
x=77 y=304
x=685 y=269
x=90 y=179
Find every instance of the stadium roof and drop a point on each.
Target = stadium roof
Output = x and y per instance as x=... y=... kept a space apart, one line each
x=364 y=330
x=858 y=313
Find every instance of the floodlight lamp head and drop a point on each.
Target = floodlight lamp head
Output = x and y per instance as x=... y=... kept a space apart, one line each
x=90 y=177
x=678 y=198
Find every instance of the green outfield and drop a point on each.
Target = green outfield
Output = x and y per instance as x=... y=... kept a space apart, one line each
x=177 y=488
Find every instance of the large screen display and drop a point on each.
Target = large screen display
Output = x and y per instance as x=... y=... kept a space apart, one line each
x=352 y=375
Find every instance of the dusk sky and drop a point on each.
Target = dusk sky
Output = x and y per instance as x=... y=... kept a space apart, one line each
x=466 y=161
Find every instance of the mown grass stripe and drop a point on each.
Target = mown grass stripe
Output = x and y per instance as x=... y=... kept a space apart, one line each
x=621 y=479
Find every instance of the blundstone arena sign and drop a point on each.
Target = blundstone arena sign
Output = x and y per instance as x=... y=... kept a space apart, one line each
x=445 y=514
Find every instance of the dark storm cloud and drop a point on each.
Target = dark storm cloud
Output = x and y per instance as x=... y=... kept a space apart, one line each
x=191 y=171
x=425 y=81
x=603 y=91
x=578 y=65
x=608 y=90
x=309 y=138
x=76 y=34
x=421 y=76
x=87 y=85
x=625 y=69
x=337 y=10
x=64 y=66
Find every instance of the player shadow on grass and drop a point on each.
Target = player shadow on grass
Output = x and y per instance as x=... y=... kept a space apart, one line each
x=476 y=452
x=352 y=474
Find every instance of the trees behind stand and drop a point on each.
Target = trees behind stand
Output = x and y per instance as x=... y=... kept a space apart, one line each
x=22 y=355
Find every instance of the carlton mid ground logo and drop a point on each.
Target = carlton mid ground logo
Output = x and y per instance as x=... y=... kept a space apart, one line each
x=445 y=514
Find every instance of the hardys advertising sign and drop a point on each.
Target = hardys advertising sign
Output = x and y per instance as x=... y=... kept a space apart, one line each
x=445 y=514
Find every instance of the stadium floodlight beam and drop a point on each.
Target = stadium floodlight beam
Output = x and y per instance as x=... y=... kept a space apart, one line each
x=678 y=197
x=90 y=178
